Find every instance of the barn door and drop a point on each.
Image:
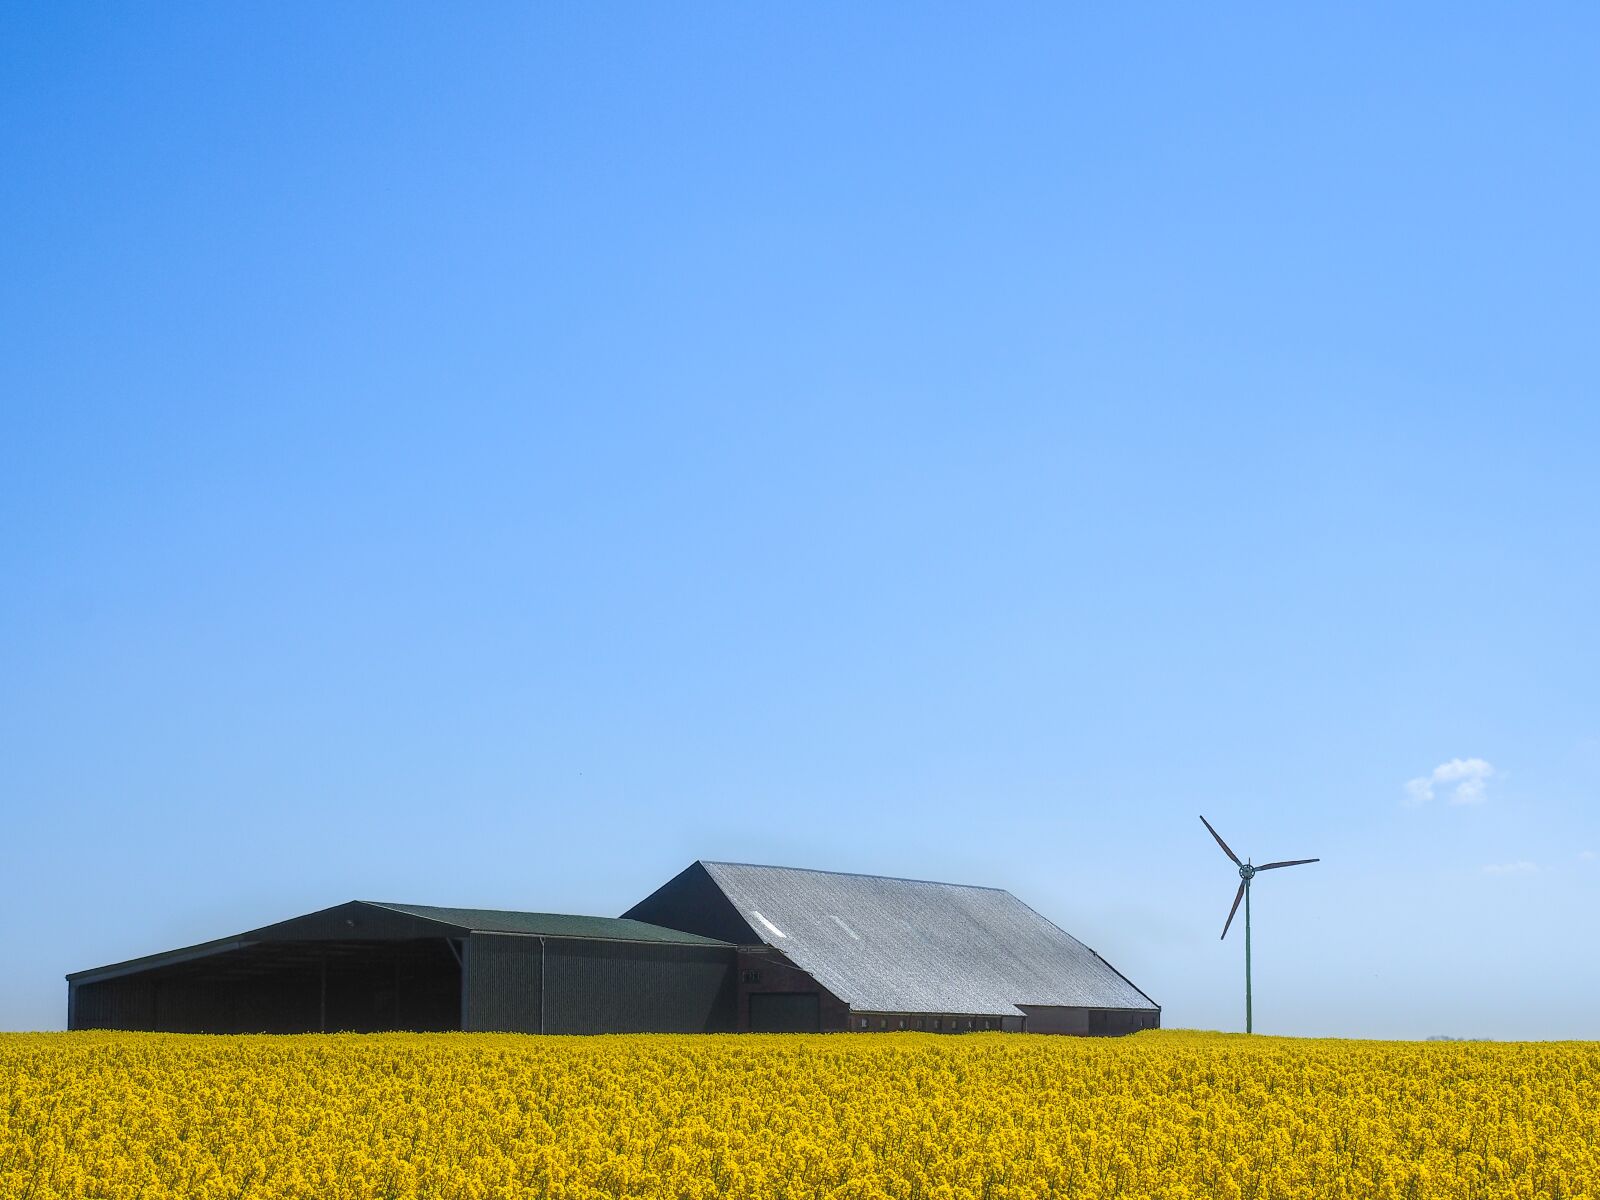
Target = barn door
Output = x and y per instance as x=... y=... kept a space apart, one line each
x=785 y=1012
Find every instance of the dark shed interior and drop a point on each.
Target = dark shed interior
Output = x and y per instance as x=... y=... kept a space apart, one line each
x=284 y=987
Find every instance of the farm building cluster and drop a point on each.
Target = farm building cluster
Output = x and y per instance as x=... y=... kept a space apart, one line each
x=722 y=947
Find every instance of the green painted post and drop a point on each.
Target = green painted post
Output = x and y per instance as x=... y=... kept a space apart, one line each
x=1249 y=1022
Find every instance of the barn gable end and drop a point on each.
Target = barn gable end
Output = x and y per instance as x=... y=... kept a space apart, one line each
x=695 y=902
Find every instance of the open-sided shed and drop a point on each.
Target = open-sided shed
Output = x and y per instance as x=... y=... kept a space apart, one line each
x=367 y=966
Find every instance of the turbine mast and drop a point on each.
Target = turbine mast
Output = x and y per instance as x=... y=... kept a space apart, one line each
x=1249 y=1017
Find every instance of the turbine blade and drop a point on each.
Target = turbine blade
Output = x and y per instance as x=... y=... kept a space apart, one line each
x=1222 y=843
x=1293 y=862
x=1237 y=896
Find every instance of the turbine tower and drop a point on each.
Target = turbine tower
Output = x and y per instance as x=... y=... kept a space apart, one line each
x=1246 y=874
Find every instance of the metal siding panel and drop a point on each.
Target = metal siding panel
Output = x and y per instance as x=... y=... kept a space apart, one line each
x=116 y=1004
x=785 y=1012
x=1118 y=1022
x=1054 y=1018
x=504 y=990
x=601 y=987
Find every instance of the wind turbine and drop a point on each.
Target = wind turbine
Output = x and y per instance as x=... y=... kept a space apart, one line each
x=1246 y=874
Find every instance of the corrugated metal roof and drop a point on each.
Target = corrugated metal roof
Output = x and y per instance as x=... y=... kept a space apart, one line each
x=906 y=945
x=490 y=920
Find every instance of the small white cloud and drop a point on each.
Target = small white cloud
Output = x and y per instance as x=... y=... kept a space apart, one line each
x=1520 y=867
x=1463 y=778
x=1419 y=791
x=1587 y=856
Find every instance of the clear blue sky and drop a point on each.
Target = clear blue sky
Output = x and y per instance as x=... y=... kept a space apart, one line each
x=497 y=456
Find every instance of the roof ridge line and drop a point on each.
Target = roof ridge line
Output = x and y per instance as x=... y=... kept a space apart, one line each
x=975 y=887
x=399 y=906
x=618 y=929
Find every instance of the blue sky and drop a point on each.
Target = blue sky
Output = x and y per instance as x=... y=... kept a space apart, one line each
x=498 y=457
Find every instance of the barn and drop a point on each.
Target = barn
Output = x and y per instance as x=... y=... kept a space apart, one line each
x=824 y=951
x=721 y=947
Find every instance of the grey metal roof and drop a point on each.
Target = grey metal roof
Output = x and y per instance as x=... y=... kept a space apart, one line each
x=493 y=920
x=907 y=945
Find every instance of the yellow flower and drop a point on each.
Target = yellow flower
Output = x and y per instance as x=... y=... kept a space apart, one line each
x=1165 y=1116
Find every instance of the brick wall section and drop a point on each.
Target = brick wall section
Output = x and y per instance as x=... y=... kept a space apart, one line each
x=763 y=969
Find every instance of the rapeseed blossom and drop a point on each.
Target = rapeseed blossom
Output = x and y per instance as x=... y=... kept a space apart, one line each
x=1169 y=1115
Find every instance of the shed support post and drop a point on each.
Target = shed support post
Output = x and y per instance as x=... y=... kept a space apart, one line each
x=322 y=993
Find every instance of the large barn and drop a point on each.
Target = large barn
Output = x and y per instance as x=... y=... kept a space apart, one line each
x=720 y=947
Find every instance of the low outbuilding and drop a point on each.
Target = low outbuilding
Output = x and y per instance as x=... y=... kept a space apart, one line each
x=366 y=966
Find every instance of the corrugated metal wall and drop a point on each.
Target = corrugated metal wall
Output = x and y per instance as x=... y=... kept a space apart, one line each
x=631 y=987
x=1052 y=1018
x=503 y=986
x=115 y=1004
x=528 y=984
x=1114 y=1022
x=785 y=1012
x=1088 y=1022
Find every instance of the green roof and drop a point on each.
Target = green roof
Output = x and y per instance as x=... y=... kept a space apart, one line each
x=491 y=920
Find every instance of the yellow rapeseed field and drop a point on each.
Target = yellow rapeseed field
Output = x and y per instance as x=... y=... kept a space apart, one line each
x=898 y=1115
